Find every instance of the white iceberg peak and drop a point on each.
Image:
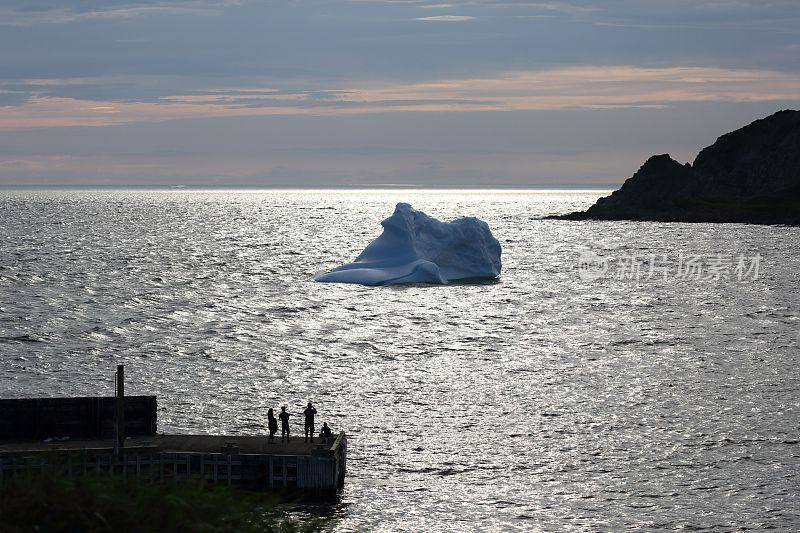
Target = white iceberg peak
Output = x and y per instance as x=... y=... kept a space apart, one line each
x=417 y=248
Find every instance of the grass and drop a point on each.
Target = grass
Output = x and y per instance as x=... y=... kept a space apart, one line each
x=50 y=503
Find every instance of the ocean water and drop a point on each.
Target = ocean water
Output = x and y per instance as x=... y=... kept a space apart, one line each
x=557 y=398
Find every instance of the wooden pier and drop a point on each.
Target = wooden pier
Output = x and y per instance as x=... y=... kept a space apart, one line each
x=116 y=436
x=248 y=462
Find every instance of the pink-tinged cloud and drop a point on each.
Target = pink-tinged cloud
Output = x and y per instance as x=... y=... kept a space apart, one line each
x=564 y=88
x=446 y=18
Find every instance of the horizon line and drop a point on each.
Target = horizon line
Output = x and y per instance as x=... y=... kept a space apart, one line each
x=359 y=186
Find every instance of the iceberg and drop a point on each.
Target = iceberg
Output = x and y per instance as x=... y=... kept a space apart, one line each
x=417 y=248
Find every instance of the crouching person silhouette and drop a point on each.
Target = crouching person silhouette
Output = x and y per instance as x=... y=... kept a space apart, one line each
x=325 y=433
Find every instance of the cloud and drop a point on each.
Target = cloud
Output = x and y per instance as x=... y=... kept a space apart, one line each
x=17 y=164
x=19 y=13
x=610 y=87
x=13 y=98
x=561 y=7
x=446 y=18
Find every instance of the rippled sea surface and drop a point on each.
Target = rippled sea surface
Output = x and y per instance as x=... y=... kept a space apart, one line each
x=543 y=401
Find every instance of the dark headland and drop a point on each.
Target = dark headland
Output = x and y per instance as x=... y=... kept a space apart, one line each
x=751 y=175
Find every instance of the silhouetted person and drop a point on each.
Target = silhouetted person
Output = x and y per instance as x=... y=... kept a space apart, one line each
x=310 y=412
x=284 y=416
x=325 y=432
x=272 y=424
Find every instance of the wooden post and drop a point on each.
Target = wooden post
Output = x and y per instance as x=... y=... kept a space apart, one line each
x=119 y=442
x=270 y=482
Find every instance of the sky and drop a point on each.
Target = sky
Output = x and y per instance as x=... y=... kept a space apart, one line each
x=381 y=92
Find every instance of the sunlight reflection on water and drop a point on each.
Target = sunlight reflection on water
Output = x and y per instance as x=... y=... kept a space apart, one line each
x=540 y=401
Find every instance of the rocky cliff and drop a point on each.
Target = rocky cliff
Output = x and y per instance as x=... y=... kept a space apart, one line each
x=751 y=175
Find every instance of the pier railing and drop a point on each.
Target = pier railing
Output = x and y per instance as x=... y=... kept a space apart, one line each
x=321 y=471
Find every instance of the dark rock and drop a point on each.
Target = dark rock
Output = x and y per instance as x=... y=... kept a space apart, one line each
x=751 y=175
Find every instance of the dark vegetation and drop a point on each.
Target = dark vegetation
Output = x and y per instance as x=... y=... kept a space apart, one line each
x=51 y=503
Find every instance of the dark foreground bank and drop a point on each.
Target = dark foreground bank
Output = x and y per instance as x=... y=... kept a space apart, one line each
x=55 y=504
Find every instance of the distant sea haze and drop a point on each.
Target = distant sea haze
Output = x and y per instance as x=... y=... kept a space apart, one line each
x=375 y=187
x=551 y=399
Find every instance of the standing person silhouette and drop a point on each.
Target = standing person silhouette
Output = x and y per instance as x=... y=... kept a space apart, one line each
x=284 y=416
x=310 y=412
x=272 y=424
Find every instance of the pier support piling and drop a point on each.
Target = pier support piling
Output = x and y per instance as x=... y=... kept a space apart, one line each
x=119 y=416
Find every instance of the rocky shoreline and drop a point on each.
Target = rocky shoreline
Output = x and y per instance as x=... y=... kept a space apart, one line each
x=751 y=175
